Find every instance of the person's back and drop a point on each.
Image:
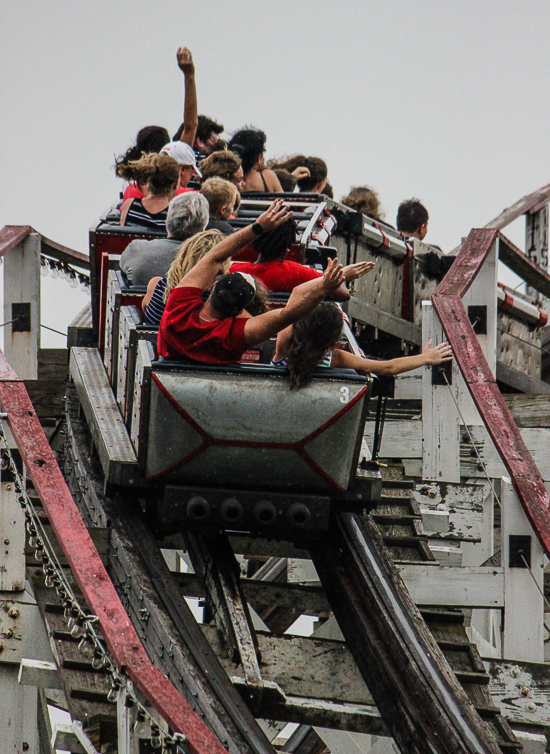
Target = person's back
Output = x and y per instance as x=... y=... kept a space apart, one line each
x=249 y=144
x=143 y=260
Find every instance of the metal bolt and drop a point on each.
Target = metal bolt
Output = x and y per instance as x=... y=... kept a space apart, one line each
x=8 y=487
x=432 y=492
x=7 y=633
x=6 y=541
x=531 y=707
x=514 y=672
x=525 y=691
x=13 y=613
x=25 y=746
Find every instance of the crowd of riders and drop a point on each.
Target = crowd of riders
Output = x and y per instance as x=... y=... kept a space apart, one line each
x=212 y=310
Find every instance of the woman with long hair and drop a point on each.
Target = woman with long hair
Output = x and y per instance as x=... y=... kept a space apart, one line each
x=313 y=342
x=160 y=174
x=310 y=172
x=249 y=144
x=223 y=164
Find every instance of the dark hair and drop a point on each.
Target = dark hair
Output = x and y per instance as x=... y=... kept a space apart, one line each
x=274 y=244
x=205 y=129
x=287 y=180
x=312 y=337
x=159 y=172
x=317 y=169
x=249 y=144
x=149 y=139
x=411 y=215
x=231 y=294
x=328 y=190
x=365 y=200
x=220 y=165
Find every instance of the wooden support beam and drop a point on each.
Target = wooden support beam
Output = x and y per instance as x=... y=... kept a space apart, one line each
x=218 y=572
x=520 y=381
x=529 y=410
x=371 y=315
x=12 y=543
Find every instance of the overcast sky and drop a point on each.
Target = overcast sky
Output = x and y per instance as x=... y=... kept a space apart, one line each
x=445 y=100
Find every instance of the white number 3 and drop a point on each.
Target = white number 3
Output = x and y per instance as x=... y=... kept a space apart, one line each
x=344 y=395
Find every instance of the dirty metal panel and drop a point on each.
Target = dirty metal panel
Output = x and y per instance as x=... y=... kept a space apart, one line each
x=140 y=402
x=128 y=319
x=238 y=509
x=22 y=633
x=521 y=690
x=114 y=448
x=240 y=429
x=112 y=306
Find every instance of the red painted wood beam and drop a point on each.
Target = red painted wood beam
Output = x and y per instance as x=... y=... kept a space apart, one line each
x=11 y=235
x=101 y=597
x=502 y=429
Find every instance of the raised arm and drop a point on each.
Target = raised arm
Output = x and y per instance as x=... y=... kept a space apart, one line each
x=429 y=355
x=303 y=299
x=190 y=108
x=204 y=272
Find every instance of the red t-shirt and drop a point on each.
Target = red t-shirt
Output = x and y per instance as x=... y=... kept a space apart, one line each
x=182 y=333
x=132 y=192
x=278 y=276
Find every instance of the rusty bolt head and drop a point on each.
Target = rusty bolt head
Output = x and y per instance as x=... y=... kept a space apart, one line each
x=7 y=633
x=432 y=492
x=514 y=672
x=525 y=691
x=25 y=746
x=8 y=487
x=13 y=613
x=6 y=541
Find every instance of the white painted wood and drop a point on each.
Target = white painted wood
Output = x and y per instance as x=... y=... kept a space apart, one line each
x=343 y=742
x=533 y=743
x=301 y=571
x=523 y=634
x=435 y=522
x=400 y=439
x=82 y=738
x=537 y=440
x=462 y=503
x=329 y=630
x=440 y=422
x=64 y=737
x=384 y=745
x=22 y=285
x=18 y=713
x=409 y=385
x=40 y=673
x=12 y=540
x=485 y=649
x=24 y=635
x=457 y=587
x=128 y=738
x=446 y=555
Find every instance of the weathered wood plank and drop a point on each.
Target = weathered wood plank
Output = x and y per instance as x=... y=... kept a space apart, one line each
x=536 y=439
x=521 y=690
x=519 y=381
x=400 y=439
x=529 y=410
x=371 y=315
x=454 y=587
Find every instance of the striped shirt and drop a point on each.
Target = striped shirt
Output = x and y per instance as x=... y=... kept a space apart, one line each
x=326 y=361
x=155 y=308
x=138 y=215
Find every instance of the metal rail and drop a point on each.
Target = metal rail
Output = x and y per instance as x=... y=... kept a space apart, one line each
x=120 y=635
x=481 y=383
x=418 y=696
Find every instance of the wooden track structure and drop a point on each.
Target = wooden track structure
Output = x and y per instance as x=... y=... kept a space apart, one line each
x=417 y=677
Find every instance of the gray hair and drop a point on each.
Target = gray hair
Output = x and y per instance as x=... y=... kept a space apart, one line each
x=187 y=215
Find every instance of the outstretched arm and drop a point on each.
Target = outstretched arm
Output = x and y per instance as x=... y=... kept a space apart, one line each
x=429 y=355
x=190 y=108
x=204 y=272
x=303 y=299
x=357 y=270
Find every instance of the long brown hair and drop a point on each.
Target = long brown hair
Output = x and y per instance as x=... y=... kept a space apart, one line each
x=159 y=172
x=312 y=337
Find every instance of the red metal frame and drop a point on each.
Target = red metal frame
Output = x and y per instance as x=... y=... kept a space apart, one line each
x=120 y=636
x=447 y=301
x=210 y=441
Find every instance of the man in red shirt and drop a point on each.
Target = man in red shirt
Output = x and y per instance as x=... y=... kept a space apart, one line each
x=220 y=330
x=280 y=274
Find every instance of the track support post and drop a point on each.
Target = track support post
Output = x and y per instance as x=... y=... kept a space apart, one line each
x=523 y=635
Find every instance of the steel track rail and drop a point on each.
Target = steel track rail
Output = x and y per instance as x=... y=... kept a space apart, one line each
x=418 y=696
x=160 y=614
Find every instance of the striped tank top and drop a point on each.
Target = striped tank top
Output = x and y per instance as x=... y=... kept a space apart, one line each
x=155 y=308
x=138 y=215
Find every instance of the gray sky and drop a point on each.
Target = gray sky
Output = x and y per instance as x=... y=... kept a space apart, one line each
x=445 y=100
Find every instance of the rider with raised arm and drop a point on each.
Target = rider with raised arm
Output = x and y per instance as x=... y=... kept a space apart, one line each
x=219 y=330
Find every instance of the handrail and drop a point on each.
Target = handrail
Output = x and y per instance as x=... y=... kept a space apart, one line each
x=12 y=235
x=118 y=632
x=481 y=383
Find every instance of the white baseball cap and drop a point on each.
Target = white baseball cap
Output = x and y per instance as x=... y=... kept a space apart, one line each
x=182 y=153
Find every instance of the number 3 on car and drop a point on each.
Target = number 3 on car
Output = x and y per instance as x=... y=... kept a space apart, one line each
x=344 y=394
